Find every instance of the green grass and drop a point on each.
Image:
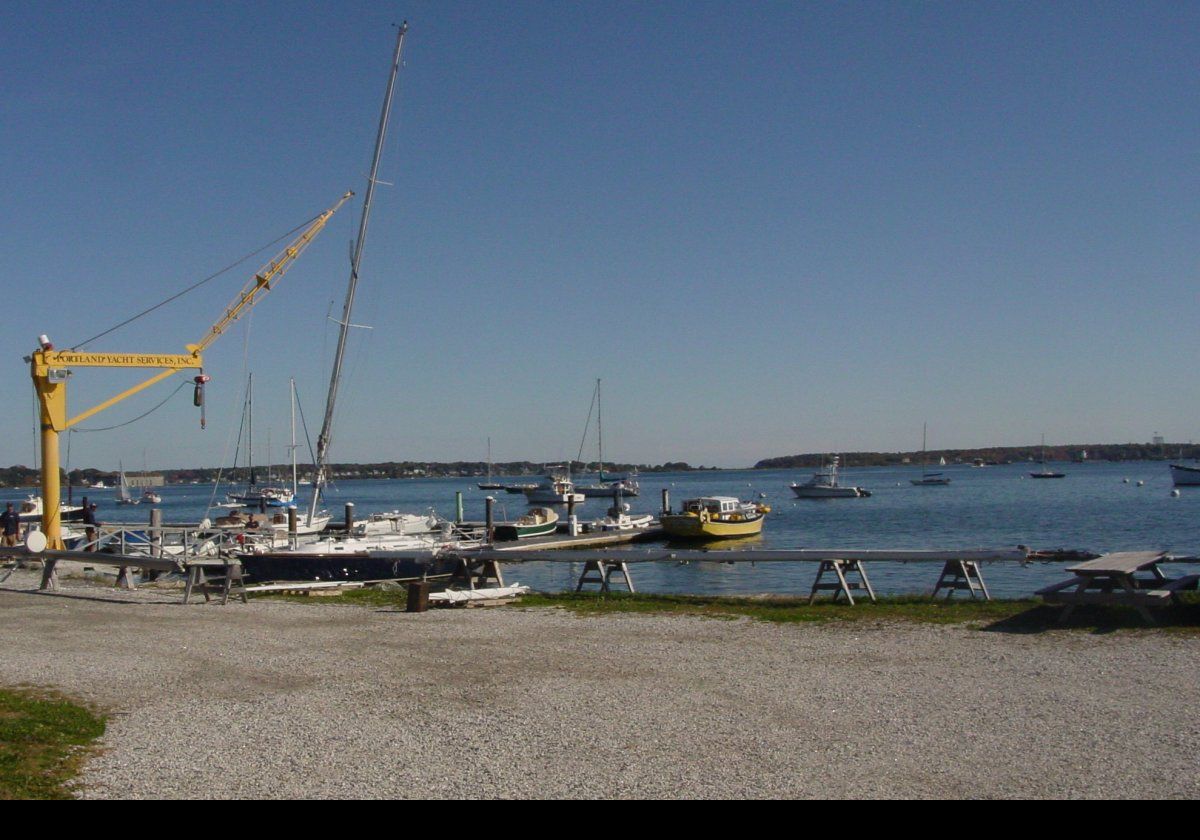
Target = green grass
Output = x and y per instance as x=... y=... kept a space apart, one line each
x=1017 y=616
x=43 y=741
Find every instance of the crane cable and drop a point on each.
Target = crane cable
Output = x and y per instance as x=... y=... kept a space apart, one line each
x=196 y=285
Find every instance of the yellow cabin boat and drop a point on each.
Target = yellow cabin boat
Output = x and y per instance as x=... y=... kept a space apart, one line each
x=715 y=518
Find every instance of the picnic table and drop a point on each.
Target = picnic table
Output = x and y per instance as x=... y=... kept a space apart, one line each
x=1124 y=578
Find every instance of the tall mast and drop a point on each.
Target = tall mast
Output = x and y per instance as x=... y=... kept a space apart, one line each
x=326 y=437
x=599 y=431
x=295 y=485
x=250 y=427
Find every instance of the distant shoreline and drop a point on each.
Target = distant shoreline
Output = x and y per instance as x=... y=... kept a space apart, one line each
x=22 y=476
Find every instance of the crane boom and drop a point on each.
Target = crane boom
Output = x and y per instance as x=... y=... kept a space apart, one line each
x=260 y=284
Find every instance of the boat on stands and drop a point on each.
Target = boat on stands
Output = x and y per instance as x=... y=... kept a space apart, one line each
x=370 y=557
x=826 y=484
x=715 y=518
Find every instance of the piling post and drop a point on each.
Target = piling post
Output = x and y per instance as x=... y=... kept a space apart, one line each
x=490 y=517
x=666 y=501
x=156 y=532
x=458 y=507
x=349 y=517
x=293 y=525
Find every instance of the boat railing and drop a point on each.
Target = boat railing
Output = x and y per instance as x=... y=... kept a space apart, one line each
x=166 y=541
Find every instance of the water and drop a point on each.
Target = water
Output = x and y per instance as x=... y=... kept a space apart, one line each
x=991 y=507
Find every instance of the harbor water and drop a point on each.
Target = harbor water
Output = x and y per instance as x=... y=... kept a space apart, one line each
x=1098 y=507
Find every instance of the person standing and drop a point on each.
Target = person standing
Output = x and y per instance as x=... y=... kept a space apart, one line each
x=91 y=525
x=10 y=524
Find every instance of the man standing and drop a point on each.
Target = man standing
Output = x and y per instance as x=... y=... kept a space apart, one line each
x=10 y=523
x=91 y=525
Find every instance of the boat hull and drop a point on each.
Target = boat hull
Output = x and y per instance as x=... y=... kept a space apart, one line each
x=691 y=527
x=805 y=491
x=1185 y=476
x=359 y=567
x=509 y=531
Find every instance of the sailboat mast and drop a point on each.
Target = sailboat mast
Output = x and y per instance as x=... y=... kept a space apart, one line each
x=599 y=431
x=326 y=437
x=295 y=485
x=250 y=427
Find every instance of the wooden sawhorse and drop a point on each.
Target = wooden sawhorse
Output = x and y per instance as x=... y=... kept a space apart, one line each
x=843 y=586
x=601 y=572
x=961 y=574
x=475 y=574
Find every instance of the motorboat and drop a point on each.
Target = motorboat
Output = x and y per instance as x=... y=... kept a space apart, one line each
x=538 y=522
x=825 y=485
x=610 y=488
x=715 y=518
x=556 y=489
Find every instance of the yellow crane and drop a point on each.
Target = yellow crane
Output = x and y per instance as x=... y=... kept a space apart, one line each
x=51 y=369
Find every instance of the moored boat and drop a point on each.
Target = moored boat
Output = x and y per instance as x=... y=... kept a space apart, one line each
x=556 y=489
x=825 y=485
x=715 y=518
x=1183 y=476
x=538 y=522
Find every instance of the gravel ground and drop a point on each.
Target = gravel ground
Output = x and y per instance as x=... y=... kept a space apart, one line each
x=300 y=700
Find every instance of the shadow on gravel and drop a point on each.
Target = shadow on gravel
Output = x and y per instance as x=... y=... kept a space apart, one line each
x=1098 y=620
x=97 y=597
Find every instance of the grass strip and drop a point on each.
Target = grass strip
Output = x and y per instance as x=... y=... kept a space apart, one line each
x=1012 y=615
x=44 y=739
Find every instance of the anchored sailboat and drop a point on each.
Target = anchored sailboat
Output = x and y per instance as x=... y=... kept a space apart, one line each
x=928 y=479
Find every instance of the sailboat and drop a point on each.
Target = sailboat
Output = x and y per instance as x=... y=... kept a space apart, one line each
x=254 y=495
x=1045 y=472
x=612 y=486
x=489 y=484
x=124 y=497
x=928 y=479
x=368 y=558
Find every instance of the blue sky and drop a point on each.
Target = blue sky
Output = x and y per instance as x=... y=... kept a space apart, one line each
x=769 y=227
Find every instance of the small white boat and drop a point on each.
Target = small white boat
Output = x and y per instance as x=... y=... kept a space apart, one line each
x=150 y=497
x=825 y=485
x=556 y=489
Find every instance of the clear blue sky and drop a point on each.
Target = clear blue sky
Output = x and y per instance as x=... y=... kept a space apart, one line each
x=769 y=227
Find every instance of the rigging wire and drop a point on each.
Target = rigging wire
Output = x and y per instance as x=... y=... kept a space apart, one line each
x=182 y=385
x=586 y=426
x=194 y=286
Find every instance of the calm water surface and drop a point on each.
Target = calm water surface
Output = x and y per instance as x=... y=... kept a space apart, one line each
x=992 y=507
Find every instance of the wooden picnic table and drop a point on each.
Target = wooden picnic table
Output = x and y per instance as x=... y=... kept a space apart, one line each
x=1129 y=578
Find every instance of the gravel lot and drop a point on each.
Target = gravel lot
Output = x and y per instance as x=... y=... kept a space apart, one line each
x=299 y=700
